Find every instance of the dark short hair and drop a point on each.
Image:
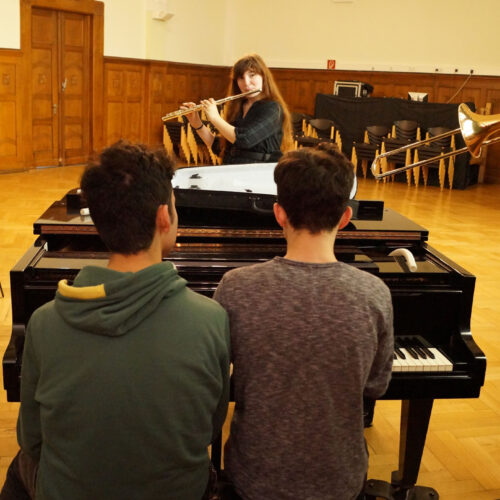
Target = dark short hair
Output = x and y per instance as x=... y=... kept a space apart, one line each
x=314 y=185
x=123 y=191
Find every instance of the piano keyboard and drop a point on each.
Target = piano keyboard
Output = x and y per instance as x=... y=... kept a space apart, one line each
x=413 y=353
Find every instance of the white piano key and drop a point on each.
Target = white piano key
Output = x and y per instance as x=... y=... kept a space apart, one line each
x=444 y=364
x=440 y=363
x=397 y=364
x=411 y=362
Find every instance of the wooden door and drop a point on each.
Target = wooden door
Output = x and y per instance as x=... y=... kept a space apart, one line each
x=60 y=58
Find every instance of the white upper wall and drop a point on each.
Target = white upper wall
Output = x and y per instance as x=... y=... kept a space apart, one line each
x=125 y=28
x=398 y=35
x=10 y=26
x=194 y=33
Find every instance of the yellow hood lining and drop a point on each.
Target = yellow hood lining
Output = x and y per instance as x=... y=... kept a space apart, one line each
x=82 y=293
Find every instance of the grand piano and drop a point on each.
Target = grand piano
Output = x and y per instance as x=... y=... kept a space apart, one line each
x=226 y=221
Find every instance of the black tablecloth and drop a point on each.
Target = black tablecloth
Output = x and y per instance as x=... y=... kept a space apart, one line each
x=352 y=115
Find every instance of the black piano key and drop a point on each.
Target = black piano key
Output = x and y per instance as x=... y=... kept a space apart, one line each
x=398 y=351
x=426 y=350
x=412 y=352
x=407 y=345
x=418 y=349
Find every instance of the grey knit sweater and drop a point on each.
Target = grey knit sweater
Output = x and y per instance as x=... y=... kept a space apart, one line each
x=308 y=342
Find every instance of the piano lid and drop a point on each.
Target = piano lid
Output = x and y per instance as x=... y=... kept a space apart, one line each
x=235 y=201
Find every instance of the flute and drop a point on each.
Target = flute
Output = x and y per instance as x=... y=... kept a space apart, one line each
x=181 y=112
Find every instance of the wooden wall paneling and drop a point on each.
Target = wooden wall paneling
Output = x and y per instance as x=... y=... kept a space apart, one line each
x=194 y=88
x=180 y=89
x=195 y=82
x=113 y=101
x=493 y=96
x=156 y=106
x=302 y=88
x=289 y=90
x=169 y=98
x=11 y=118
x=135 y=104
x=400 y=91
x=125 y=99
x=324 y=86
x=492 y=173
x=287 y=86
x=474 y=94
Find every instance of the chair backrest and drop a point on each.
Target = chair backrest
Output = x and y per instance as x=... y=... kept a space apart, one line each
x=435 y=131
x=376 y=133
x=406 y=129
x=323 y=126
x=297 y=119
x=174 y=130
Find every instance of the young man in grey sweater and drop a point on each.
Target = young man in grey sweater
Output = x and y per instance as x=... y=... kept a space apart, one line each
x=310 y=337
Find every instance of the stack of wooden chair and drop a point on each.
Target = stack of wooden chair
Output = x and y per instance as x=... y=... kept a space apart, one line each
x=175 y=140
x=435 y=150
x=403 y=132
x=182 y=141
x=318 y=130
x=372 y=145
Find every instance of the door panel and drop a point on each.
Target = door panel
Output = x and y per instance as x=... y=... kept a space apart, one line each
x=44 y=82
x=75 y=66
x=60 y=48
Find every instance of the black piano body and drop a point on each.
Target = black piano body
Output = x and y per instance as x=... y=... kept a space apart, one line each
x=221 y=231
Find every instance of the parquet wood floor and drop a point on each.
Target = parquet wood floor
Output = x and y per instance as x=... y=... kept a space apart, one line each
x=462 y=454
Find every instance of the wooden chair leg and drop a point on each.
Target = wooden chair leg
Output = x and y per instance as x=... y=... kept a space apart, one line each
x=442 y=173
x=451 y=171
x=425 y=174
x=407 y=162
x=354 y=160
x=416 y=170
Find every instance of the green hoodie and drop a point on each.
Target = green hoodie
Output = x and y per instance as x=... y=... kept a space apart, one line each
x=125 y=380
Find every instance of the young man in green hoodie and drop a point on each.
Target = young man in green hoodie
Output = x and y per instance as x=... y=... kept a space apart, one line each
x=125 y=374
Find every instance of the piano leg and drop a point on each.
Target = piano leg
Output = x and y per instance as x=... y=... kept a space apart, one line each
x=415 y=416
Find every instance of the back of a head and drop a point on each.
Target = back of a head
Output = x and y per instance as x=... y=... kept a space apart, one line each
x=314 y=185
x=123 y=192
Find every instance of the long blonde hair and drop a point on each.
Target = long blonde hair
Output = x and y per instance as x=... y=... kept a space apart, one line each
x=270 y=91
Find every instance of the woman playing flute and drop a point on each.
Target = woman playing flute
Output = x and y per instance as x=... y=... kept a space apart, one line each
x=257 y=129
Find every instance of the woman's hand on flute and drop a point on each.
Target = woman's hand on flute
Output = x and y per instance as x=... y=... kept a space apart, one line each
x=194 y=117
x=210 y=108
x=212 y=113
